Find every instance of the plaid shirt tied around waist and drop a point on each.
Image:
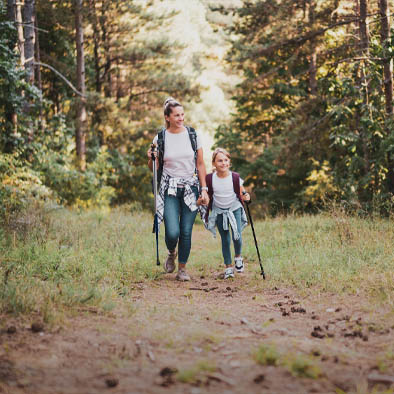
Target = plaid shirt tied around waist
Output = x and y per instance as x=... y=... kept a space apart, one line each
x=228 y=219
x=171 y=184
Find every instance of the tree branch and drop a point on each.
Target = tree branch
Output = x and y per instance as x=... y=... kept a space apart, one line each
x=301 y=39
x=61 y=76
x=31 y=27
x=147 y=92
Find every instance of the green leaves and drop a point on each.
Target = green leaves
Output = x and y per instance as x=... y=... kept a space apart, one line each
x=309 y=96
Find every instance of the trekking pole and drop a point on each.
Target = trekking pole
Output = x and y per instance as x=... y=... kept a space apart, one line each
x=155 y=220
x=254 y=235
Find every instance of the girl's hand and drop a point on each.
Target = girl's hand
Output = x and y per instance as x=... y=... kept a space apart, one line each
x=245 y=196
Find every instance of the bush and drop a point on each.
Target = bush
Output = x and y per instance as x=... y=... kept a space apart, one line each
x=77 y=188
x=20 y=186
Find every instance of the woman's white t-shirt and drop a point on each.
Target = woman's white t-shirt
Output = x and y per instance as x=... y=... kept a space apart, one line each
x=178 y=154
x=223 y=191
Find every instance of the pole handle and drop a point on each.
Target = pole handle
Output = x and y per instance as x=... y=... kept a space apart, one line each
x=249 y=201
x=153 y=150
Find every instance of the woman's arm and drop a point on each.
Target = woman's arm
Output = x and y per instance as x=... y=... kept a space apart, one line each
x=202 y=172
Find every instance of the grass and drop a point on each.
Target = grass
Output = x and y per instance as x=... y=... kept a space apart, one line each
x=302 y=366
x=299 y=365
x=72 y=259
x=267 y=355
x=197 y=373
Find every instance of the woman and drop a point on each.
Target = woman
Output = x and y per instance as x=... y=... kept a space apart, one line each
x=179 y=163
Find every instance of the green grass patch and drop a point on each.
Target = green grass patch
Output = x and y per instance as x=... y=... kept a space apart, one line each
x=70 y=259
x=299 y=365
x=303 y=366
x=267 y=355
x=196 y=373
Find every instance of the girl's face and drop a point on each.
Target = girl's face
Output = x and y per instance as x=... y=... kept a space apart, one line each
x=221 y=163
x=176 y=117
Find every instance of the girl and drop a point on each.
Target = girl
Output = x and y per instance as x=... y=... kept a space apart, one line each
x=226 y=194
x=179 y=160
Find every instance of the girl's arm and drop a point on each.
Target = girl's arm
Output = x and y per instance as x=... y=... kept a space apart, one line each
x=202 y=172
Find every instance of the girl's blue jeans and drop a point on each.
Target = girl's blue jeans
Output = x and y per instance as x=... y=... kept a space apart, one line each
x=226 y=239
x=178 y=221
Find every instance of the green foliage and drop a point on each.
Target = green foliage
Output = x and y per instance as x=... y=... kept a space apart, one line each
x=131 y=66
x=74 y=187
x=20 y=186
x=300 y=138
x=11 y=82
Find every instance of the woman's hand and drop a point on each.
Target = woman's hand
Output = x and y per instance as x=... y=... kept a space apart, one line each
x=204 y=199
x=150 y=151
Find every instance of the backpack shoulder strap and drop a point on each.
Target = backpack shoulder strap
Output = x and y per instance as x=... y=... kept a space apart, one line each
x=160 y=139
x=237 y=185
x=208 y=180
x=193 y=141
x=193 y=138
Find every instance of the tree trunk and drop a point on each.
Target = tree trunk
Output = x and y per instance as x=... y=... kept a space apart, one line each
x=313 y=56
x=21 y=38
x=11 y=11
x=364 y=47
x=37 y=70
x=28 y=22
x=387 y=62
x=29 y=33
x=80 y=132
x=10 y=114
x=387 y=79
x=363 y=25
x=107 y=51
x=96 y=44
x=95 y=119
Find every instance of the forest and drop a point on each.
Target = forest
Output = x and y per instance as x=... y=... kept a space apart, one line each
x=300 y=92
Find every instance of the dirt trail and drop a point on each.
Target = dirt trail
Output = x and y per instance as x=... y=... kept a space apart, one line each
x=200 y=337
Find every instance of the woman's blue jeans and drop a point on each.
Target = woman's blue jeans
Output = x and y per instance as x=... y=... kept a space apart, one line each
x=178 y=221
x=226 y=239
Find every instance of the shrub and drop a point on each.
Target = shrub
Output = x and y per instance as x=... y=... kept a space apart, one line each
x=20 y=186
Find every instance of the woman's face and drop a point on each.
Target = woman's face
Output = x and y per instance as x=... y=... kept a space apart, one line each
x=176 y=117
x=221 y=162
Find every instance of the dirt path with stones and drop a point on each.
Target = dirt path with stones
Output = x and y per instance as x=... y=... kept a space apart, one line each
x=200 y=337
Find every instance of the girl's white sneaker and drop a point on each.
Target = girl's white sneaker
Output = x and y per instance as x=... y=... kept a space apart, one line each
x=229 y=273
x=239 y=264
